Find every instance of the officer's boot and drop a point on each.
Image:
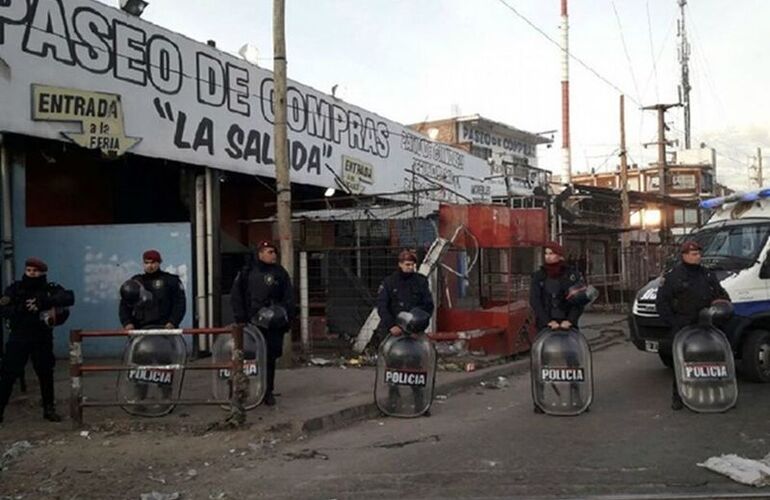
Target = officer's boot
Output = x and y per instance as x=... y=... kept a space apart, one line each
x=49 y=413
x=676 y=399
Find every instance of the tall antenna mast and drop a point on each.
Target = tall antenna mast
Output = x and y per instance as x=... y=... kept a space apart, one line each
x=684 y=59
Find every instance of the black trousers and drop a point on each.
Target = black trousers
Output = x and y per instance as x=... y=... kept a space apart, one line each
x=16 y=355
x=274 y=341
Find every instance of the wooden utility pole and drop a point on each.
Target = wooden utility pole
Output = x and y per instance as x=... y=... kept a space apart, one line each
x=625 y=210
x=282 y=179
x=662 y=173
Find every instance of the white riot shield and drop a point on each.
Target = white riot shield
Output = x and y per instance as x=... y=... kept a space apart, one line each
x=254 y=363
x=406 y=374
x=156 y=371
x=705 y=369
x=562 y=377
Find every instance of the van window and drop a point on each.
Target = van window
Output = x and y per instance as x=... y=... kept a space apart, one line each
x=733 y=247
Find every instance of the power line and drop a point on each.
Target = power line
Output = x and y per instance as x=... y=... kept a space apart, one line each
x=570 y=54
x=652 y=52
x=625 y=51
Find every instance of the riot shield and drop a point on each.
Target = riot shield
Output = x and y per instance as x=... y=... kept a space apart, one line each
x=705 y=369
x=562 y=378
x=254 y=362
x=156 y=370
x=406 y=373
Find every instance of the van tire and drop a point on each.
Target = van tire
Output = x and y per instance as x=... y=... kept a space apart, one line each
x=667 y=359
x=755 y=356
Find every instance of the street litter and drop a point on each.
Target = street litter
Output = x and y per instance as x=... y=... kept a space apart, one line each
x=740 y=469
x=156 y=495
x=85 y=434
x=316 y=361
x=498 y=383
x=441 y=397
x=13 y=452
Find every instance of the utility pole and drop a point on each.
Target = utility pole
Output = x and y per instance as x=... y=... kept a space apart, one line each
x=756 y=168
x=625 y=210
x=662 y=173
x=282 y=180
x=684 y=59
x=566 y=156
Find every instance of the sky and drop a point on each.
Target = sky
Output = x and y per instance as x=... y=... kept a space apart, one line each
x=416 y=60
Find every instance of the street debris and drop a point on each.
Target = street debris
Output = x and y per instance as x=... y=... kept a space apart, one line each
x=400 y=444
x=441 y=397
x=192 y=474
x=742 y=470
x=156 y=495
x=456 y=348
x=306 y=454
x=499 y=383
x=316 y=361
x=13 y=452
x=492 y=463
x=85 y=434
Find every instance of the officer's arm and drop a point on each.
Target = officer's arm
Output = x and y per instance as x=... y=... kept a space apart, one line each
x=534 y=301
x=125 y=313
x=664 y=300
x=426 y=299
x=719 y=291
x=287 y=301
x=237 y=300
x=179 y=303
x=383 y=306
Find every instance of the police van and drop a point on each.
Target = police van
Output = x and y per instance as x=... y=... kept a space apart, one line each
x=736 y=248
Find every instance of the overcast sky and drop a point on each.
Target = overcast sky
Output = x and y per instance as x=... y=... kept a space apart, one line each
x=411 y=60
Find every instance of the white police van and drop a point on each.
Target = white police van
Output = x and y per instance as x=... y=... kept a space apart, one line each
x=736 y=248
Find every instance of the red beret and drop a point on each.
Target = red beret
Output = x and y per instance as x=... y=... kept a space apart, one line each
x=266 y=244
x=407 y=256
x=689 y=246
x=152 y=255
x=37 y=264
x=555 y=247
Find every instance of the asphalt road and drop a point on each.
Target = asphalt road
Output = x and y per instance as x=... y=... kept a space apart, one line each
x=489 y=443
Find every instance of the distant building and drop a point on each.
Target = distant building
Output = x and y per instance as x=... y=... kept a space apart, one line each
x=511 y=153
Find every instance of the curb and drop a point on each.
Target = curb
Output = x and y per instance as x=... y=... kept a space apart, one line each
x=348 y=416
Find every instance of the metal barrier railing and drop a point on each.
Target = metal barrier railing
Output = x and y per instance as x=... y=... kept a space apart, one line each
x=77 y=370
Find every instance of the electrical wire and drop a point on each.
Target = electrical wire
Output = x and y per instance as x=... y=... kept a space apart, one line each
x=652 y=52
x=569 y=54
x=625 y=51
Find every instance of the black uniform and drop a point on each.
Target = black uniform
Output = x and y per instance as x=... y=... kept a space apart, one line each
x=30 y=337
x=265 y=285
x=168 y=304
x=548 y=297
x=402 y=292
x=684 y=290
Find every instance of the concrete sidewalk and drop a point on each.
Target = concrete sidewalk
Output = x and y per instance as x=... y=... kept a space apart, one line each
x=310 y=398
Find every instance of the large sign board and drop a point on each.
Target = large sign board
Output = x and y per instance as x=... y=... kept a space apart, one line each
x=170 y=97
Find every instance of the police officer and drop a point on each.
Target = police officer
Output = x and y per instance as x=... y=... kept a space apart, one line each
x=549 y=291
x=403 y=290
x=168 y=304
x=31 y=305
x=684 y=290
x=549 y=297
x=264 y=283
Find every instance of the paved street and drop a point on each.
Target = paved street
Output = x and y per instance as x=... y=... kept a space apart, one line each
x=488 y=443
x=478 y=443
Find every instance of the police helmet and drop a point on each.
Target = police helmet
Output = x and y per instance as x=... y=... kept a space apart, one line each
x=582 y=295
x=720 y=310
x=273 y=318
x=131 y=292
x=414 y=321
